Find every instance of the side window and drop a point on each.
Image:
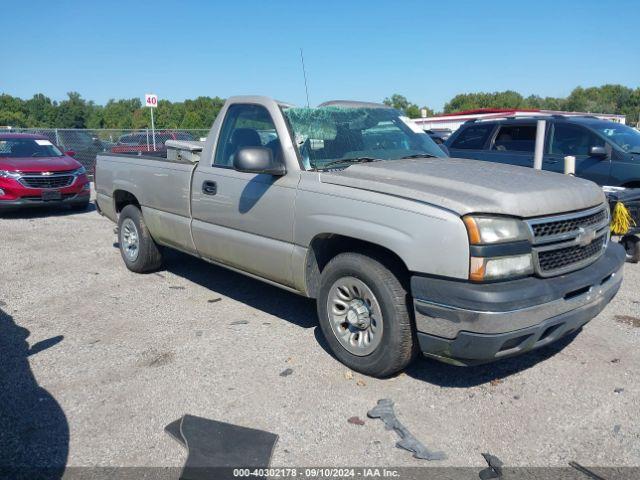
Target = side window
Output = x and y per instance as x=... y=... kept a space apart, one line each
x=245 y=126
x=473 y=137
x=515 y=138
x=572 y=140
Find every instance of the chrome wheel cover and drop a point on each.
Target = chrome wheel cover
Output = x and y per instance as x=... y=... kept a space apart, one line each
x=355 y=316
x=129 y=240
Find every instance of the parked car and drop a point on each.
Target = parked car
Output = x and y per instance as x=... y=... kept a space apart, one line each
x=142 y=142
x=354 y=205
x=607 y=153
x=34 y=172
x=439 y=135
x=84 y=144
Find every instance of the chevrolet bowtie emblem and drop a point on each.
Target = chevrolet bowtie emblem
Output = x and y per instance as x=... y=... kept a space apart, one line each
x=47 y=173
x=585 y=236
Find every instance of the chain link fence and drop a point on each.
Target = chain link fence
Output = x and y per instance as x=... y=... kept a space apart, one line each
x=87 y=143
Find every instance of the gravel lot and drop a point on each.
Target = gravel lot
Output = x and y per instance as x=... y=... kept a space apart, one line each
x=122 y=355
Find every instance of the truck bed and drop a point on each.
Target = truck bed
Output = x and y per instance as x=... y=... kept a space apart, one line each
x=161 y=186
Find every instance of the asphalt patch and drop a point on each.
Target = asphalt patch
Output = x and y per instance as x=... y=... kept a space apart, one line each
x=628 y=320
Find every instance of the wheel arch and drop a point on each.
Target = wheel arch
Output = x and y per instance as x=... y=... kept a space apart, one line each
x=326 y=246
x=122 y=198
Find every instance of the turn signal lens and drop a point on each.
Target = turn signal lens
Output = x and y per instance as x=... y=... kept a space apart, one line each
x=485 y=269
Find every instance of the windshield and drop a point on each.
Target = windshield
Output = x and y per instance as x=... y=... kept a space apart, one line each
x=28 y=148
x=625 y=137
x=326 y=135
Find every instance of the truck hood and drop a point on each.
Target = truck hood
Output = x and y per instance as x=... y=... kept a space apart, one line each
x=472 y=186
x=40 y=164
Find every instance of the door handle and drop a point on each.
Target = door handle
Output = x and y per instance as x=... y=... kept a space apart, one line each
x=209 y=187
x=550 y=161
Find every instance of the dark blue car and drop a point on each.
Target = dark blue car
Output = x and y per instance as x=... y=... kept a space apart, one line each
x=607 y=153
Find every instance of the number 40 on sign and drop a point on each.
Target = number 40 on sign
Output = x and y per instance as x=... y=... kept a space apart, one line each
x=151 y=100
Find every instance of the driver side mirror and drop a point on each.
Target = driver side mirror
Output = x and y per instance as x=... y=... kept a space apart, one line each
x=70 y=153
x=598 y=152
x=257 y=160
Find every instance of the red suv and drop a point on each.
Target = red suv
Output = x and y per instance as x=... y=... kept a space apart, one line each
x=34 y=172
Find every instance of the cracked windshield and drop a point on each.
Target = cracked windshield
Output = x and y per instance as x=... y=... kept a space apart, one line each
x=334 y=136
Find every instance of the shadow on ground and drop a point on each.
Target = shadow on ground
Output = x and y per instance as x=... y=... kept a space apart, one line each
x=288 y=306
x=450 y=376
x=34 y=433
x=302 y=312
x=43 y=212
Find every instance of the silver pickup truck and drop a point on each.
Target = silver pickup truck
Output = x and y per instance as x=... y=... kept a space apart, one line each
x=350 y=203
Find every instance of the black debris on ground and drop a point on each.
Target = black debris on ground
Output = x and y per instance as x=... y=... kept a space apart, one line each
x=215 y=448
x=384 y=411
x=286 y=373
x=494 y=469
x=586 y=471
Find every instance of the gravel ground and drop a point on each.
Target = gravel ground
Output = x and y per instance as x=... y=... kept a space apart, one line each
x=115 y=356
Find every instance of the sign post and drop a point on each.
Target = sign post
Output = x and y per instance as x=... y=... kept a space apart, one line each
x=151 y=101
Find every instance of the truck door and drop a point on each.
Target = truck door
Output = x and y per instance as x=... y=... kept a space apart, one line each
x=570 y=139
x=245 y=220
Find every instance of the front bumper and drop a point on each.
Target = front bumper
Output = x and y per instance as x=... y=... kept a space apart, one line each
x=466 y=323
x=67 y=199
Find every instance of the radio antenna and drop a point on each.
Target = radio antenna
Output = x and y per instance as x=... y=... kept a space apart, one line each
x=304 y=73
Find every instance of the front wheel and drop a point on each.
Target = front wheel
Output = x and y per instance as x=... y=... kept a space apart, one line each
x=139 y=251
x=364 y=315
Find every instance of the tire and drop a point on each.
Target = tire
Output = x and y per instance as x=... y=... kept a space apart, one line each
x=395 y=346
x=631 y=244
x=133 y=234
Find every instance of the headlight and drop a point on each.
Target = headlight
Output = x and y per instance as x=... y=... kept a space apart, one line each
x=483 y=229
x=9 y=174
x=79 y=171
x=491 y=256
x=496 y=268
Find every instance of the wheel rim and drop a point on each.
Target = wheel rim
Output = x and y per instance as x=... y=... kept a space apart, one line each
x=130 y=240
x=355 y=316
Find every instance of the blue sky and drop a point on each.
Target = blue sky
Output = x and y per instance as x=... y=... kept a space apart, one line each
x=364 y=50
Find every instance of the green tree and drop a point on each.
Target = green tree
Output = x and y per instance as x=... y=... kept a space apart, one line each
x=410 y=109
x=73 y=112
x=12 y=112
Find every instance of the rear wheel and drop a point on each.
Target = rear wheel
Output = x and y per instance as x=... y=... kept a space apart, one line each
x=364 y=315
x=631 y=243
x=139 y=251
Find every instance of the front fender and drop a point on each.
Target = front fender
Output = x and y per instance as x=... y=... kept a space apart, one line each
x=428 y=240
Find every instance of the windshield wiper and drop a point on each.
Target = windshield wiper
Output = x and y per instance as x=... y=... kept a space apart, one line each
x=419 y=155
x=351 y=160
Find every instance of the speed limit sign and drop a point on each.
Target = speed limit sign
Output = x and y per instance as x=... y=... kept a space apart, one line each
x=151 y=100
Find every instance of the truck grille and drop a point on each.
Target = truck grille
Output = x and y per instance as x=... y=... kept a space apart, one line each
x=554 y=260
x=564 y=243
x=559 y=227
x=47 y=181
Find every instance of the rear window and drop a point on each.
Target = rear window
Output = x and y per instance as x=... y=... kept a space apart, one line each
x=515 y=138
x=473 y=137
